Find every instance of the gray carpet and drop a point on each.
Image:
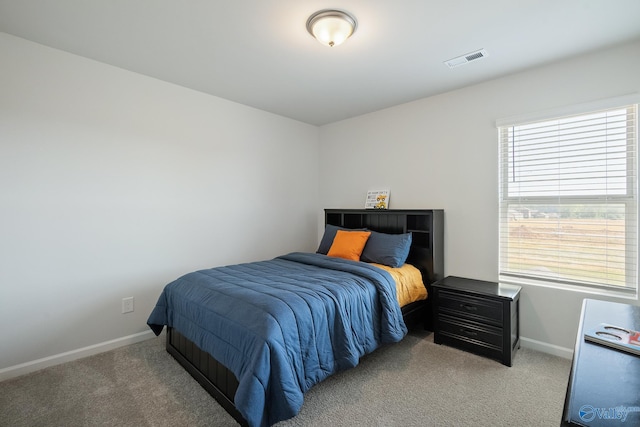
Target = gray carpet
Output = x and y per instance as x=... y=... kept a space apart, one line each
x=412 y=383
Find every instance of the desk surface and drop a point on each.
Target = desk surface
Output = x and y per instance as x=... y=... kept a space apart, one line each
x=604 y=385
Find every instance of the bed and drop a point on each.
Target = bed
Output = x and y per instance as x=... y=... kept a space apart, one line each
x=305 y=316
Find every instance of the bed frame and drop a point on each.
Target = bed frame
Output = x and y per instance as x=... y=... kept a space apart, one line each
x=427 y=254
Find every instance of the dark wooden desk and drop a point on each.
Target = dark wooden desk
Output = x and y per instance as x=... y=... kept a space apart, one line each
x=604 y=384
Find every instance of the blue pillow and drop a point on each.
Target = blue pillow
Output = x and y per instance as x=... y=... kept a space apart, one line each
x=329 y=235
x=387 y=249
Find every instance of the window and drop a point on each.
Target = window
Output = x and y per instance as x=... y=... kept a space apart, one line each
x=568 y=200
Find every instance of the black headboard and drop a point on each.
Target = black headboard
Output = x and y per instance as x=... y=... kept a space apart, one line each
x=426 y=227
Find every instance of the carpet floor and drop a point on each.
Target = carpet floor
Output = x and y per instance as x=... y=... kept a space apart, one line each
x=412 y=383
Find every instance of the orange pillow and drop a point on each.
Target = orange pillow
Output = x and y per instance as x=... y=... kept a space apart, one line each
x=349 y=244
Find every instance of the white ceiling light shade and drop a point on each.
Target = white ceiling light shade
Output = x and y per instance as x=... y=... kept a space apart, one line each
x=331 y=27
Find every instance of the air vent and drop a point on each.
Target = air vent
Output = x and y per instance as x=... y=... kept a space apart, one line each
x=465 y=59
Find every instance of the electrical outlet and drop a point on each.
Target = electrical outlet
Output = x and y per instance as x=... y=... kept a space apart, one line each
x=127 y=305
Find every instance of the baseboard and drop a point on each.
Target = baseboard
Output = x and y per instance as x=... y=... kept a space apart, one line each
x=57 y=359
x=544 y=347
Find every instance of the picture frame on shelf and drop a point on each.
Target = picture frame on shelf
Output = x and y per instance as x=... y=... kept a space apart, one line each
x=377 y=199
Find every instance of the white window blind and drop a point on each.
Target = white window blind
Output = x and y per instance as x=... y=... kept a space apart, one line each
x=568 y=200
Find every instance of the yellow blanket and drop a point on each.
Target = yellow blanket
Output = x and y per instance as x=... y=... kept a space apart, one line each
x=409 y=286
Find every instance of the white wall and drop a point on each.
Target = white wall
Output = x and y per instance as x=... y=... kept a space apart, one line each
x=112 y=184
x=442 y=152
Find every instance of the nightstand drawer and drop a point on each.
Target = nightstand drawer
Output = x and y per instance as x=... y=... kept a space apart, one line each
x=479 y=309
x=469 y=331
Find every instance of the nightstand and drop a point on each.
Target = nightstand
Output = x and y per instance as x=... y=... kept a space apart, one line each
x=477 y=316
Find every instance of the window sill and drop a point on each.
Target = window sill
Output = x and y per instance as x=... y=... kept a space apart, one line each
x=609 y=293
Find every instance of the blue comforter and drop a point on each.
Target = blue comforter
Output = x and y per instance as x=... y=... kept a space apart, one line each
x=283 y=325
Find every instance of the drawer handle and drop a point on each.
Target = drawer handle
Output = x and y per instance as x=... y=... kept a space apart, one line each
x=469 y=307
x=468 y=332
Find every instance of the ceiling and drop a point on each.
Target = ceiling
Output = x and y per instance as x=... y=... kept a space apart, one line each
x=258 y=52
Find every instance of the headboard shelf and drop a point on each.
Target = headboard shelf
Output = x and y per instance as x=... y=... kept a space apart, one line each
x=426 y=226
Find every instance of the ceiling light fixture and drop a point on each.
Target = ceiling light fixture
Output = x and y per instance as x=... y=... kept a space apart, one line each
x=331 y=27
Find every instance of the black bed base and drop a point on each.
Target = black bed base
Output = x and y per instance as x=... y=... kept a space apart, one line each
x=222 y=384
x=418 y=313
x=212 y=375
